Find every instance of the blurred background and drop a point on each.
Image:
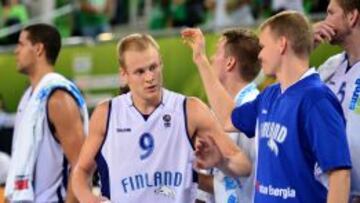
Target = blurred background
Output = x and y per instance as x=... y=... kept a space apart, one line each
x=91 y=29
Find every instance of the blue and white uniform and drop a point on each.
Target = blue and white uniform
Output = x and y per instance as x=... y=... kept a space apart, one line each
x=344 y=81
x=227 y=189
x=51 y=169
x=300 y=135
x=147 y=160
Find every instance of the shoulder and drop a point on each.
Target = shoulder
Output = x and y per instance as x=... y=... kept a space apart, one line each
x=330 y=65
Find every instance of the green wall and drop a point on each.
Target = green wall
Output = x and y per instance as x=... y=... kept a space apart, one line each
x=179 y=73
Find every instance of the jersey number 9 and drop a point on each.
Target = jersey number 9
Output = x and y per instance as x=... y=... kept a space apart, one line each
x=146 y=143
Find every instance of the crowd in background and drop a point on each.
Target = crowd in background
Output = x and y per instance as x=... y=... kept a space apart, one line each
x=92 y=17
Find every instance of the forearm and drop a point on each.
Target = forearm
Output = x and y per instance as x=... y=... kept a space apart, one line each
x=70 y=196
x=339 y=186
x=220 y=101
x=81 y=184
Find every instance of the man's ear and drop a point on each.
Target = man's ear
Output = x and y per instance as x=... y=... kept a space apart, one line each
x=39 y=49
x=283 y=44
x=230 y=63
x=123 y=76
x=353 y=18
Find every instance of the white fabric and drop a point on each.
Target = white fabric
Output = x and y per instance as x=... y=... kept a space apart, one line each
x=346 y=86
x=144 y=158
x=227 y=189
x=29 y=134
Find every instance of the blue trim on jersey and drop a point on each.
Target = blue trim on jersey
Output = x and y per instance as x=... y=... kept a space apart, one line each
x=65 y=172
x=59 y=195
x=186 y=125
x=104 y=175
x=101 y=162
x=50 y=124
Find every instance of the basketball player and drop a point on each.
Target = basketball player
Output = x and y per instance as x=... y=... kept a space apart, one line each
x=141 y=141
x=341 y=72
x=236 y=65
x=298 y=122
x=50 y=116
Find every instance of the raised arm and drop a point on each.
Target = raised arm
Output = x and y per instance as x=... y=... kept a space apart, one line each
x=220 y=101
x=64 y=114
x=216 y=149
x=84 y=169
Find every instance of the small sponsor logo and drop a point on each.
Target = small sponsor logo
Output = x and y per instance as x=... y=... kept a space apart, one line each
x=270 y=190
x=21 y=183
x=166 y=191
x=167 y=119
x=123 y=130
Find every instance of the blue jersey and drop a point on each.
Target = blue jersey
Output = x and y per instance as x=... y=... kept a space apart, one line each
x=301 y=134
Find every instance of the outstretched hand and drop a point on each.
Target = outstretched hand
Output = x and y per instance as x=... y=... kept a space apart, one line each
x=195 y=39
x=207 y=153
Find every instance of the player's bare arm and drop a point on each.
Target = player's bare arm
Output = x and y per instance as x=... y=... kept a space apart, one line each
x=65 y=116
x=85 y=167
x=229 y=158
x=220 y=101
x=339 y=186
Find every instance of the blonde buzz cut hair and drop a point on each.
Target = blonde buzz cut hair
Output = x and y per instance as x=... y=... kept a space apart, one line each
x=134 y=42
x=295 y=27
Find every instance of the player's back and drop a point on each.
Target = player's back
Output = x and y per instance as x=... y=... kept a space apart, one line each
x=147 y=160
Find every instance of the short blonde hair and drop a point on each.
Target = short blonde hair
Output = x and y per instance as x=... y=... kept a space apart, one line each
x=135 y=42
x=295 y=27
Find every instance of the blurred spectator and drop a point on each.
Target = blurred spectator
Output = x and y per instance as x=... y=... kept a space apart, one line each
x=93 y=17
x=121 y=13
x=177 y=13
x=64 y=23
x=281 y=5
x=12 y=12
x=42 y=9
x=233 y=12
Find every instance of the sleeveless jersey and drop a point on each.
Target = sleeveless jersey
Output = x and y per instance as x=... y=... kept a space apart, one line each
x=344 y=81
x=147 y=160
x=51 y=169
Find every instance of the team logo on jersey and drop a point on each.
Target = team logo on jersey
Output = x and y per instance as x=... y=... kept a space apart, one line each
x=21 y=182
x=166 y=191
x=167 y=119
x=276 y=133
x=355 y=101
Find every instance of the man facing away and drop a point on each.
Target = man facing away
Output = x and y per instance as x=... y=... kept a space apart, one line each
x=298 y=122
x=141 y=141
x=50 y=126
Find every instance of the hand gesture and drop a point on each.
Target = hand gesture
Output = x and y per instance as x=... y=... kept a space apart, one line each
x=323 y=32
x=195 y=39
x=207 y=153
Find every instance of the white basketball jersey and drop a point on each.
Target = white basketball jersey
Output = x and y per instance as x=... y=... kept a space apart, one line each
x=147 y=160
x=51 y=169
x=345 y=83
x=240 y=190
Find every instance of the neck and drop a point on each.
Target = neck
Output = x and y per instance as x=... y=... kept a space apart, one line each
x=234 y=85
x=352 y=48
x=38 y=73
x=146 y=106
x=291 y=71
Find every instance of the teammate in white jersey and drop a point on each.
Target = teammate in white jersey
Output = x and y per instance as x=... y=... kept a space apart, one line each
x=342 y=72
x=236 y=65
x=141 y=140
x=63 y=131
